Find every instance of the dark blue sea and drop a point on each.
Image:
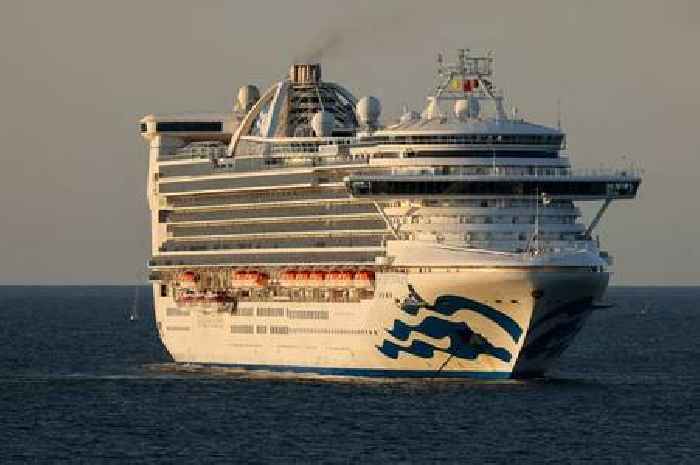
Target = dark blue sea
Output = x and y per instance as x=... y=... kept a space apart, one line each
x=80 y=383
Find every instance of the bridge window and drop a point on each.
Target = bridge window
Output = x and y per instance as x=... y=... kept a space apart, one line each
x=189 y=126
x=488 y=187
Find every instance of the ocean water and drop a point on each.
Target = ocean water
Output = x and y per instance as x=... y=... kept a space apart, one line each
x=80 y=383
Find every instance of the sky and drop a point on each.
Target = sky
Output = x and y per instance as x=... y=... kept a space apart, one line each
x=78 y=75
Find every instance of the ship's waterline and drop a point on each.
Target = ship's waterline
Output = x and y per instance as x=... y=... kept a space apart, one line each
x=301 y=232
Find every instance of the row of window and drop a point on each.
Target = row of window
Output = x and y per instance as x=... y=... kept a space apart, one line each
x=242 y=329
x=482 y=154
x=478 y=236
x=329 y=331
x=307 y=314
x=481 y=219
x=259 y=197
x=478 y=203
x=501 y=139
x=281 y=312
x=173 y=311
x=285 y=330
x=483 y=170
x=187 y=126
x=275 y=243
x=270 y=311
x=532 y=188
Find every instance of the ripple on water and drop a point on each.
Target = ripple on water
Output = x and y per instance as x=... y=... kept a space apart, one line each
x=80 y=383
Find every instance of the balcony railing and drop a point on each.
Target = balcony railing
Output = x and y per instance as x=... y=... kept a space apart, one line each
x=192 y=153
x=291 y=161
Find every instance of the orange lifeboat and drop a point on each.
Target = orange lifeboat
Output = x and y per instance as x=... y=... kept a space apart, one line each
x=261 y=279
x=334 y=278
x=288 y=278
x=346 y=278
x=364 y=278
x=188 y=279
x=249 y=279
x=302 y=279
x=239 y=279
x=317 y=278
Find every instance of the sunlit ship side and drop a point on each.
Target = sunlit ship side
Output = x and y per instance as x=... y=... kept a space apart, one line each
x=297 y=233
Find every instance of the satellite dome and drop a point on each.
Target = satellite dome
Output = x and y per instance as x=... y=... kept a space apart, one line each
x=247 y=97
x=323 y=123
x=368 y=110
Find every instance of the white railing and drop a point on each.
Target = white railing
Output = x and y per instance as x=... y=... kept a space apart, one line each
x=292 y=162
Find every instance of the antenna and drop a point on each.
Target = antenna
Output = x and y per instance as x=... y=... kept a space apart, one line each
x=559 y=113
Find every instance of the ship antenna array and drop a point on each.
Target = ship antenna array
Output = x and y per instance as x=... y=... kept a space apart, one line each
x=454 y=80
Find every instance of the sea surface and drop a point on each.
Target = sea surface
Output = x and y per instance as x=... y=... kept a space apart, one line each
x=81 y=383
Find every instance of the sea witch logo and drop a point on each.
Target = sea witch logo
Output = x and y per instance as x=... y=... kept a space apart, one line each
x=464 y=342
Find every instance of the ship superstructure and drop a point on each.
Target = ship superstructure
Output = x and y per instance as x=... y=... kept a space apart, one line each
x=299 y=233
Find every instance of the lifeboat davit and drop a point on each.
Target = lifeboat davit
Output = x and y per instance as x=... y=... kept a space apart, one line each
x=186 y=297
x=364 y=279
x=249 y=279
x=216 y=296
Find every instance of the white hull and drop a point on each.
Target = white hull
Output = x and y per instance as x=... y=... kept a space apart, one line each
x=472 y=323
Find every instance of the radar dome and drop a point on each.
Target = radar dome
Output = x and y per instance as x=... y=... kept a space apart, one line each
x=247 y=97
x=323 y=123
x=368 y=110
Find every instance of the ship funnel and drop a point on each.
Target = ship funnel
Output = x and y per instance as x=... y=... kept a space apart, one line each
x=304 y=73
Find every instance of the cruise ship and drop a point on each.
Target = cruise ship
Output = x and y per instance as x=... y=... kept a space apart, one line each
x=303 y=232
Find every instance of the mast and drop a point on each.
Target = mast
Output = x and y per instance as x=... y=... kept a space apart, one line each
x=469 y=77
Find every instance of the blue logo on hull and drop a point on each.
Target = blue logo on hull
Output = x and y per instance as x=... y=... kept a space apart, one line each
x=464 y=342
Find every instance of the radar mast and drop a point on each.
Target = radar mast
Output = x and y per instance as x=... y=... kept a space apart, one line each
x=469 y=78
